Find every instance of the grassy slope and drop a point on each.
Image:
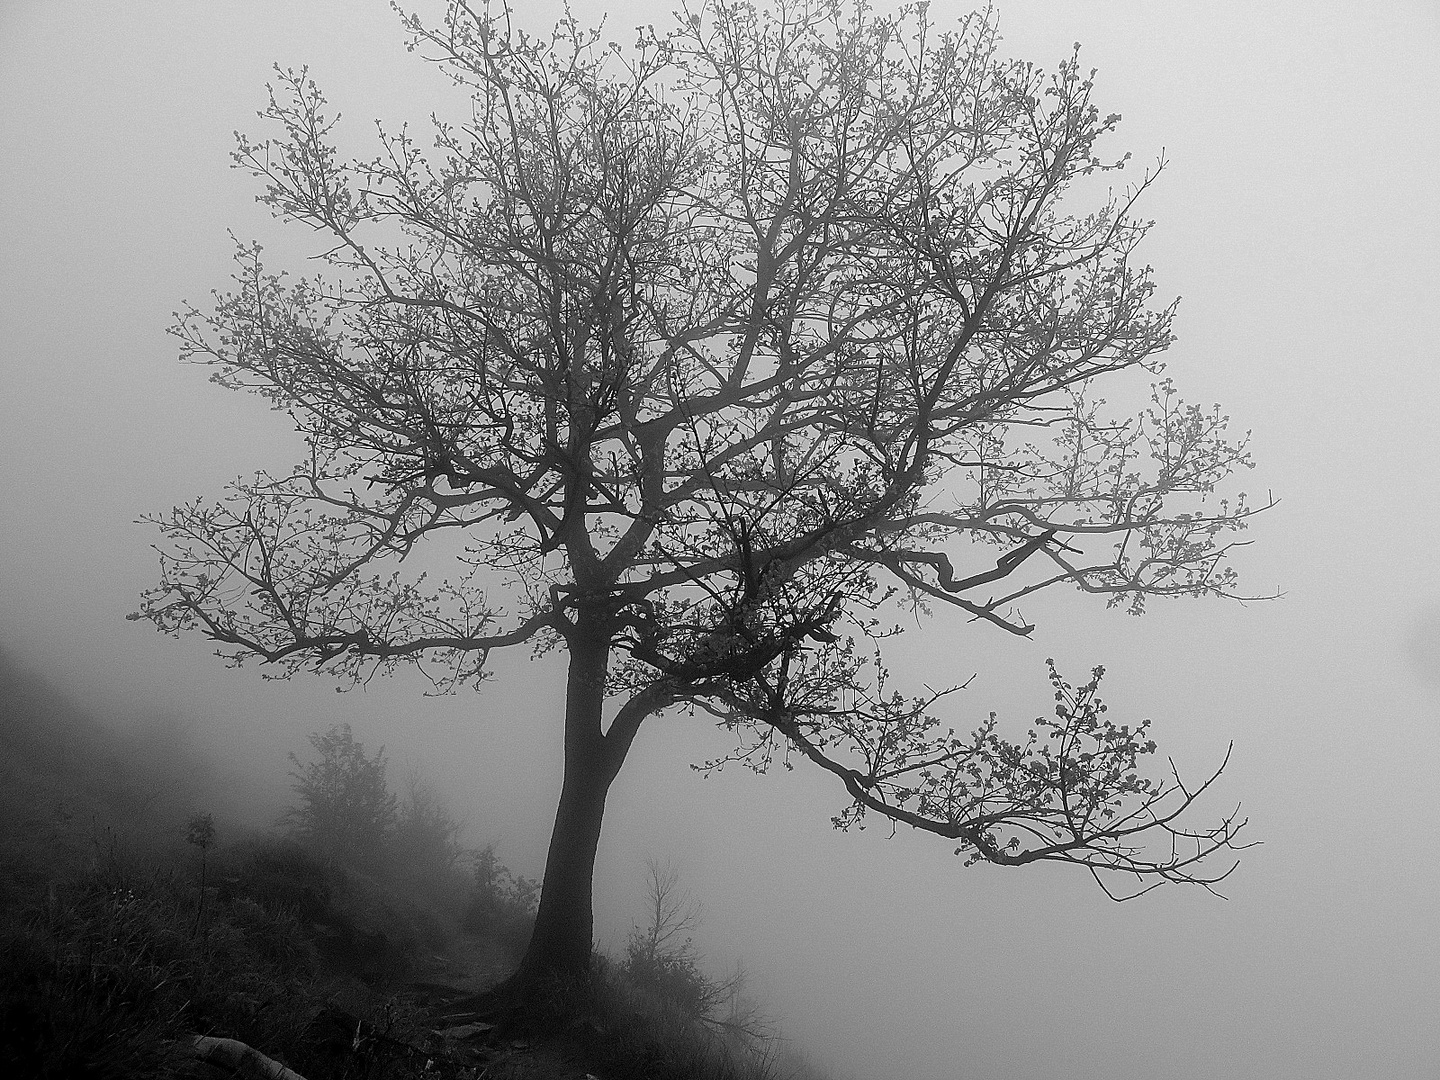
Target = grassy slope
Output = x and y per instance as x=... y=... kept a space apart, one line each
x=109 y=963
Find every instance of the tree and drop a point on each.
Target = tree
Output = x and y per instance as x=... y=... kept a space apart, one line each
x=426 y=834
x=346 y=810
x=502 y=903
x=660 y=958
x=710 y=362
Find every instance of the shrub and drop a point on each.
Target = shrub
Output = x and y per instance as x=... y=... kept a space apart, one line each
x=280 y=875
x=359 y=927
x=624 y=1030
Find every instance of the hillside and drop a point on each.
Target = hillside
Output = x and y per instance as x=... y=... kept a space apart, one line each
x=132 y=925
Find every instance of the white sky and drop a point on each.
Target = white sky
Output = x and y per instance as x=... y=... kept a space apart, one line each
x=1299 y=219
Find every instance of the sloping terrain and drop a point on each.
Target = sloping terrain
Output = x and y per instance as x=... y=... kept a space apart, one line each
x=121 y=944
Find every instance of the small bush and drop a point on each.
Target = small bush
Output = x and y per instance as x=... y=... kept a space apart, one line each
x=623 y=1030
x=362 y=928
x=280 y=875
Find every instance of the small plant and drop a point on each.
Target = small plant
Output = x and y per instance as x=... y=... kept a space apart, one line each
x=200 y=832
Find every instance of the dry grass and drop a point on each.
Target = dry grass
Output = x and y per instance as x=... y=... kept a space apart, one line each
x=112 y=972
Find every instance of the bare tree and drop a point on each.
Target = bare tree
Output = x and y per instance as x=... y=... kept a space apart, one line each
x=661 y=957
x=711 y=361
x=671 y=915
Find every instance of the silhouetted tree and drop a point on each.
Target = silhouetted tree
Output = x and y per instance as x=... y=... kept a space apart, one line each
x=710 y=362
x=346 y=810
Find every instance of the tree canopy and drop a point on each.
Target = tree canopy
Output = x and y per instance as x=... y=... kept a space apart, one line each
x=712 y=360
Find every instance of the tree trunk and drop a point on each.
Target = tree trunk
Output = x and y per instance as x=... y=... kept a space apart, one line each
x=564 y=926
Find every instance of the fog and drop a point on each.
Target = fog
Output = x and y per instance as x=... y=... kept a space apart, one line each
x=1298 y=218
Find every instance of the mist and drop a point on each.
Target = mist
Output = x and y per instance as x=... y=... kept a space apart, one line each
x=1297 y=219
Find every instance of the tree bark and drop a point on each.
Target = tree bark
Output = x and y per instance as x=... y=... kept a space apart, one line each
x=564 y=925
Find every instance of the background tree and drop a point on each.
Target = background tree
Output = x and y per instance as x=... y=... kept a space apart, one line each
x=709 y=361
x=426 y=835
x=661 y=959
x=346 y=810
x=502 y=903
x=660 y=955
